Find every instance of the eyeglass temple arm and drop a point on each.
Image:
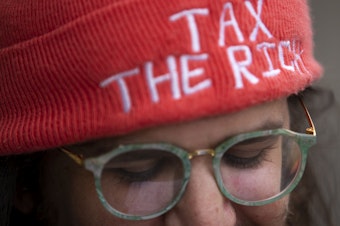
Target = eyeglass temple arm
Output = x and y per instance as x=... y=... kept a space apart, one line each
x=310 y=130
x=76 y=158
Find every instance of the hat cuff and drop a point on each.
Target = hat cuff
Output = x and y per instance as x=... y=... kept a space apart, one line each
x=145 y=63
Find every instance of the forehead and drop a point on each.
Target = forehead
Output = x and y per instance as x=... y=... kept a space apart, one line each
x=203 y=133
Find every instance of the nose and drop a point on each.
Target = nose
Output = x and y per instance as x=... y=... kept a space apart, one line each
x=202 y=202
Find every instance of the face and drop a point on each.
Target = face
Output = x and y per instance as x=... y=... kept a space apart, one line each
x=70 y=197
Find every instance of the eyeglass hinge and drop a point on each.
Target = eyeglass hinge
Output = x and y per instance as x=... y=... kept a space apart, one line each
x=310 y=130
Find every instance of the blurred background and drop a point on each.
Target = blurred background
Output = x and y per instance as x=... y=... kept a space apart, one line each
x=326 y=157
x=326 y=22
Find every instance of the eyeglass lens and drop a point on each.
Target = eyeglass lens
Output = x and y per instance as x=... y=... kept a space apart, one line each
x=143 y=182
x=260 y=168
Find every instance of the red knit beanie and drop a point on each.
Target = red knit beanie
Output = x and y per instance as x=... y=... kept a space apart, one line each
x=75 y=70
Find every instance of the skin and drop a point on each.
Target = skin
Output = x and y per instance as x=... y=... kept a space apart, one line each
x=70 y=198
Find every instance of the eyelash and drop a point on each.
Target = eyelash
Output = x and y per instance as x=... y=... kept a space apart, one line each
x=247 y=163
x=131 y=177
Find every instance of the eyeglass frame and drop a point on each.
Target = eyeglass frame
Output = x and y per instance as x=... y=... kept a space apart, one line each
x=96 y=164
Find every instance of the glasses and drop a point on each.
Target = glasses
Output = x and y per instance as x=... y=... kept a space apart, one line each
x=143 y=181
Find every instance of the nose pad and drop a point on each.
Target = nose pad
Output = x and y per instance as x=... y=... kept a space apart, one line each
x=202 y=203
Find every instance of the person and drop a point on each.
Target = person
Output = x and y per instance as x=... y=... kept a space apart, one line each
x=156 y=112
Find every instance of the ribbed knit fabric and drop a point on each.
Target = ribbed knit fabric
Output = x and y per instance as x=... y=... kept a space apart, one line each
x=75 y=70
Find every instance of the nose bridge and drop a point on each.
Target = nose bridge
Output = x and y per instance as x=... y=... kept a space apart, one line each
x=202 y=202
x=201 y=152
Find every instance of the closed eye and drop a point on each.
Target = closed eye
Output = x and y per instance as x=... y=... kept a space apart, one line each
x=250 y=153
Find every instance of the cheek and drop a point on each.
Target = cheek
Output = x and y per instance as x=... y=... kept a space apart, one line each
x=268 y=215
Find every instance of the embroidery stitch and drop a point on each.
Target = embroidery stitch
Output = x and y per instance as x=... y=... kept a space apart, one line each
x=189 y=14
x=259 y=22
x=297 y=57
x=187 y=74
x=172 y=76
x=285 y=44
x=240 y=57
x=240 y=67
x=264 y=46
x=232 y=22
x=122 y=86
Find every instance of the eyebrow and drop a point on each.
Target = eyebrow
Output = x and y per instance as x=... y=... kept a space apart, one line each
x=98 y=147
x=271 y=124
